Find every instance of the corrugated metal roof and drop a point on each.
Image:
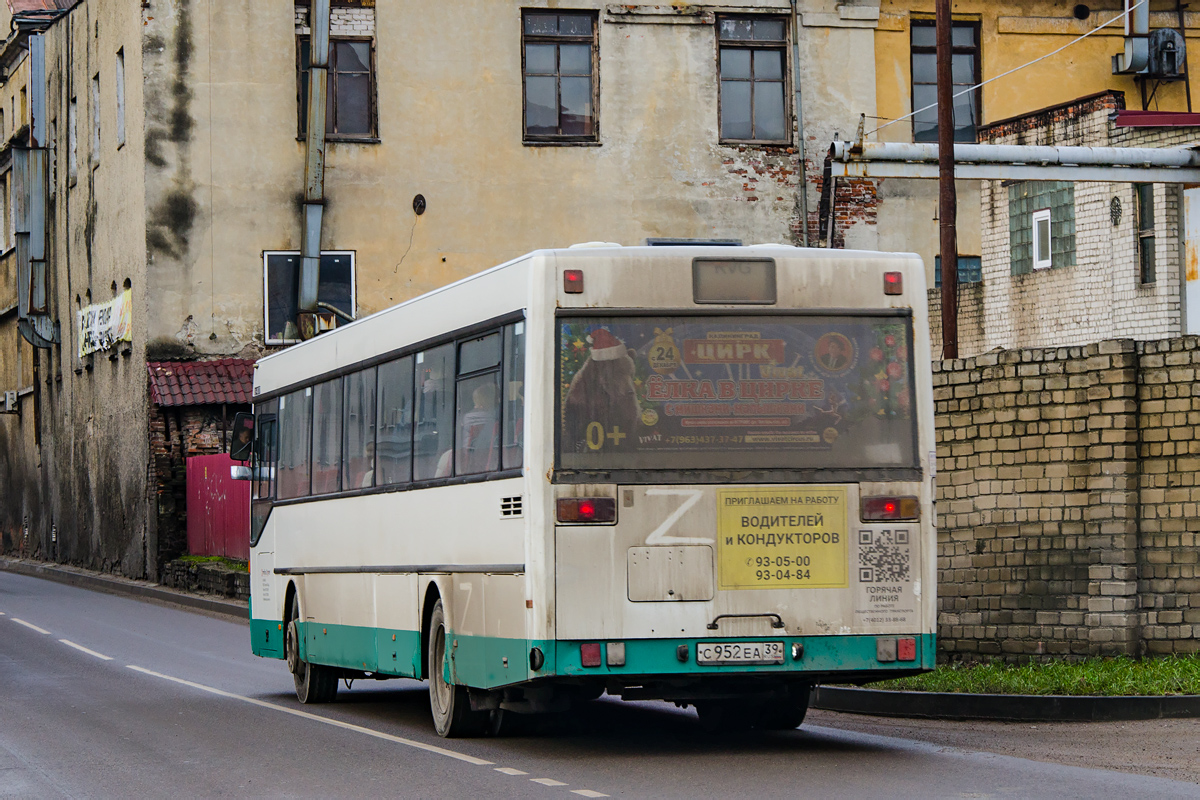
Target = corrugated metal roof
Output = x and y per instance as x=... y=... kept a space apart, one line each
x=1131 y=118
x=198 y=383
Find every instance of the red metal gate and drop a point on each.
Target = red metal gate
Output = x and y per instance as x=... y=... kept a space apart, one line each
x=218 y=509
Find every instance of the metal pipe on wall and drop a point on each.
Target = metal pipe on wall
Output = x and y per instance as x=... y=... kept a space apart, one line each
x=803 y=183
x=314 y=163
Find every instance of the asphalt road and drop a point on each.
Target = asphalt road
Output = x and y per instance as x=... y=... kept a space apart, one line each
x=107 y=696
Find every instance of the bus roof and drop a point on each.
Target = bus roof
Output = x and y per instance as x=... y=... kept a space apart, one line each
x=489 y=294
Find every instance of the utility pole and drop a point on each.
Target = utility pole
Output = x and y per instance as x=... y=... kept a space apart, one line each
x=947 y=195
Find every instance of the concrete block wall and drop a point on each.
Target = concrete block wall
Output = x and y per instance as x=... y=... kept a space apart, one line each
x=1067 y=496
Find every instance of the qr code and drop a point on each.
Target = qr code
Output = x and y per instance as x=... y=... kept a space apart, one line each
x=883 y=556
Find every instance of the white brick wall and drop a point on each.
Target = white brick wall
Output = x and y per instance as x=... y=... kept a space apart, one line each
x=1102 y=296
x=342 y=21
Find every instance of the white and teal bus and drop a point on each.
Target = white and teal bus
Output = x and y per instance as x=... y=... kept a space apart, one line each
x=696 y=474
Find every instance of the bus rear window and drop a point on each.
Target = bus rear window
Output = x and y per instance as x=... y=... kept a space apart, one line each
x=735 y=392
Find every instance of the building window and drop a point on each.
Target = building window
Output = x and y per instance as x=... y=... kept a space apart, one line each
x=964 y=38
x=558 y=62
x=1042 y=239
x=753 y=66
x=350 y=103
x=970 y=270
x=120 y=88
x=281 y=285
x=1041 y=225
x=1145 y=230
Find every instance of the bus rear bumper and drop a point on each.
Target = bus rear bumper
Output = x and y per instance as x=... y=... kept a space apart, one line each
x=846 y=658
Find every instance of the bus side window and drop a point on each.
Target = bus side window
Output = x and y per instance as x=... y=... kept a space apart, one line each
x=358 y=445
x=265 y=450
x=514 y=395
x=394 y=409
x=433 y=441
x=295 y=436
x=327 y=437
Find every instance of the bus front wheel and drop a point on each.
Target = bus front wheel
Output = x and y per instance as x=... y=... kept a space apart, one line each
x=451 y=705
x=314 y=683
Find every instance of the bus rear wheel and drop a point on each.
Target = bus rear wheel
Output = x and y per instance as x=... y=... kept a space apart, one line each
x=314 y=683
x=450 y=704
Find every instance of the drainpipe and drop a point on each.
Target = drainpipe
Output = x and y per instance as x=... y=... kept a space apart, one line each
x=314 y=164
x=1137 y=39
x=800 y=121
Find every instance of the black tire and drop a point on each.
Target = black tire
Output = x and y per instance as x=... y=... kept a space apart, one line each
x=314 y=683
x=787 y=714
x=450 y=704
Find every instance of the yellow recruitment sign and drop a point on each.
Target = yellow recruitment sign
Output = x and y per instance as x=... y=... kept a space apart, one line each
x=782 y=538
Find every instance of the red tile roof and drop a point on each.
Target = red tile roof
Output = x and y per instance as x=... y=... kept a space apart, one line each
x=17 y=6
x=198 y=383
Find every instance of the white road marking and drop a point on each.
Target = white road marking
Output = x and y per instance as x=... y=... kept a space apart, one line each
x=441 y=751
x=30 y=625
x=510 y=771
x=587 y=793
x=547 y=782
x=1 y=613
x=83 y=649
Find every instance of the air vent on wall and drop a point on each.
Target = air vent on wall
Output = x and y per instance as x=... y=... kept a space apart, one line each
x=510 y=507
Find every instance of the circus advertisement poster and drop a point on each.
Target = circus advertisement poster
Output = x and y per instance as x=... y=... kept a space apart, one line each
x=757 y=392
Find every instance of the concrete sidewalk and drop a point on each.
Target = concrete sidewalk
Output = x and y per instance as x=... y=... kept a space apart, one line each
x=113 y=584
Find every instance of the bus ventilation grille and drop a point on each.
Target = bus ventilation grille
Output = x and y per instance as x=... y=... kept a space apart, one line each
x=510 y=507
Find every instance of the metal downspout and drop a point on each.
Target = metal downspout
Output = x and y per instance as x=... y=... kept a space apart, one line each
x=803 y=188
x=314 y=163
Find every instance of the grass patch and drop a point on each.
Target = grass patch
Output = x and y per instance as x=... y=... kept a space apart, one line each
x=221 y=561
x=1095 y=676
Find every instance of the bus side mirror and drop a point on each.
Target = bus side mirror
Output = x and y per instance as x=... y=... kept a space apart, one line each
x=241 y=444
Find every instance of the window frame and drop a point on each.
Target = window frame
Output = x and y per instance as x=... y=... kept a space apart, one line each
x=499 y=324
x=975 y=50
x=593 y=41
x=784 y=47
x=266 y=254
x=1144 y=235
x=371 y=137
x=1040 y=215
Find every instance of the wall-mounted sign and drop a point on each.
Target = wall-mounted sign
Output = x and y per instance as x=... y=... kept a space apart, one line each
x=102 y=325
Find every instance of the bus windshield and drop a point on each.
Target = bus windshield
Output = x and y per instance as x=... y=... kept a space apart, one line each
x=744 y=392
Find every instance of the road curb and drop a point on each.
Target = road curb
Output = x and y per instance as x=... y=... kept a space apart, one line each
x=1004 y=707
x=125 y=586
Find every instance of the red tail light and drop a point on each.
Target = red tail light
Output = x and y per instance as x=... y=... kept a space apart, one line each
x=573 y=281
x=906 y=649
x=587 y=509
x=890 y=508
x=589 y=654
x=893 y=283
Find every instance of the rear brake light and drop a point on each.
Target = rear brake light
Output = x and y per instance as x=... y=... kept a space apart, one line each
x=893 y=283
x=587 y=509
x=906 y=649
x=889 y=508
x=589 y=654
x=573 y=281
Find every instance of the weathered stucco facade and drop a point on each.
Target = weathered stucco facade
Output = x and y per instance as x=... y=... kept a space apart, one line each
x=181 y=196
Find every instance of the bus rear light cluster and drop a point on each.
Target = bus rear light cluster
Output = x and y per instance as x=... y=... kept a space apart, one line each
x=587 y=509
x=888 y=649
x=890 y=508
x=591 y=655
x=893 y=283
